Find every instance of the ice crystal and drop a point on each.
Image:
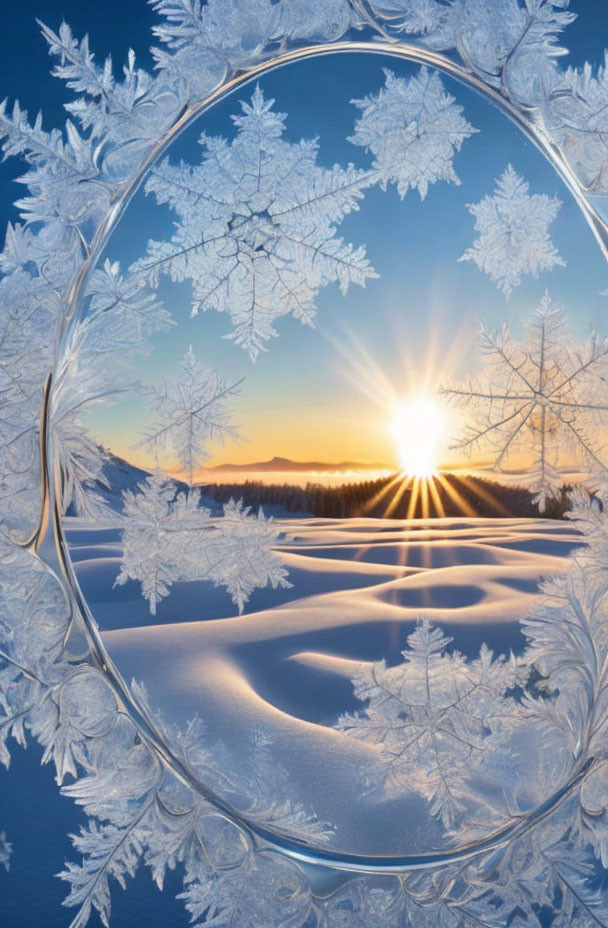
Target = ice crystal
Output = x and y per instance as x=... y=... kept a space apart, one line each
x=513 y=233
x=170 y=536
x=5 y=851
x=576 y=108
x=511 y=45
x=33 y=616
x=541 y=396
x=191 y=411
x=257 y=222
x=434 y=717
x=121 y=315
x=108 y=852
x=62 y=176
x=570 y=623
x=27 y=323
x=413 y=128
x=252 y=781
x=140 y=813
x=201 y=39
x=133 y=112
x=218 y=899
x=112 y=842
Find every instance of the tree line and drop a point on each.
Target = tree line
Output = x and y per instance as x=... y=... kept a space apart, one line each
x=388 y=497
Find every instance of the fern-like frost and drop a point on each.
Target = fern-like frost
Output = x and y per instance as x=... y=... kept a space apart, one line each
x=541 y=396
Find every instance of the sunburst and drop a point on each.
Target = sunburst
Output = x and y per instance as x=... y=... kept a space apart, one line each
x=420 y=428
x=419 y=421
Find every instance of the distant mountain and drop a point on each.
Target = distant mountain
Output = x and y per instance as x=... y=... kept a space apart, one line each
x=286 y=464
x=120 y=474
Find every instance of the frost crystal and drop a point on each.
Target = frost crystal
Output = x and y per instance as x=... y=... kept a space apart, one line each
x=511 y=45
x=541 y=396
x=170 y=536
x=514 y=238
x=257 y=226
x=191 y=411
x=576 y=108
x=133 y=112
x=413 y=128
x=121 y=314
x=435 y=717
x=219 y=900
x=5 y=851
x=205 y=39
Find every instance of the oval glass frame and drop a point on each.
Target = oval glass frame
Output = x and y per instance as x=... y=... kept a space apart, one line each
x=81 y=654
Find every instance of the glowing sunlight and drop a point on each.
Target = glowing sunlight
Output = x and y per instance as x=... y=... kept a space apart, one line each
x=420 y=428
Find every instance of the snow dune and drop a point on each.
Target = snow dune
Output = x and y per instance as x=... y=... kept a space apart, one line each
x=283 y=669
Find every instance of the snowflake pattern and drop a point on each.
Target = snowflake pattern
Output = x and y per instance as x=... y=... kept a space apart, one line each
x=540 y=396
x=513 y=233
x=510 y=45
x=191 y=411
x=435 y=717
x=122 y=313
x=582 y=132
x=5 y=851
x=257 y=226
x=413 y=128
x=170 y=536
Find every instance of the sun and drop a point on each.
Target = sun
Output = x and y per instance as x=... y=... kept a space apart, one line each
x=420 y=429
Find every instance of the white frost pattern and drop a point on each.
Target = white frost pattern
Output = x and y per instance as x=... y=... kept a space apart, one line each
x=576 y=110
x=435 y=717
x=257 y=226
x=5 y=851
x=191 y=411
x=513 y=233
x=121 y=315
x=170 y=536
x=541 y=396
x=413 y=128
x=511 y=45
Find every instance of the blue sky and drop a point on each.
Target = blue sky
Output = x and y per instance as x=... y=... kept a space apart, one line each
x=305 y=395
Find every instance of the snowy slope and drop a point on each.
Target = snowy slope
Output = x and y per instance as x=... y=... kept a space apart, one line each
x=284 y=668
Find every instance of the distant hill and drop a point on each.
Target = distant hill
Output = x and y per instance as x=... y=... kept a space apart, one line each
x=121 y=475
x=278 y=464
x=118 y=476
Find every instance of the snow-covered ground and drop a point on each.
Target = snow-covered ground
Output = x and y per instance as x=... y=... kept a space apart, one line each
x=282 y=671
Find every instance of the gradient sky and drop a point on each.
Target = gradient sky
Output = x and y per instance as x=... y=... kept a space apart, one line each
x=325 y=393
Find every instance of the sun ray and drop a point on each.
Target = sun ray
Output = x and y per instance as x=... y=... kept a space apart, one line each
x=405 y=485
x=402 y=485
x=413 y=498
x=439 y=508
x=456 y=497
x=384 y=491
x=485 y=495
